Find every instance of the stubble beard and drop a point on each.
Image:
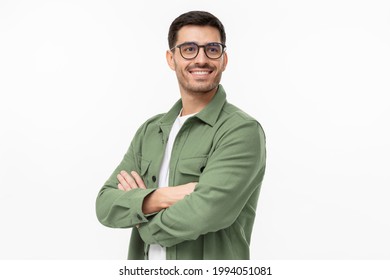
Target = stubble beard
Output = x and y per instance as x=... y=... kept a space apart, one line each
x=199 y=88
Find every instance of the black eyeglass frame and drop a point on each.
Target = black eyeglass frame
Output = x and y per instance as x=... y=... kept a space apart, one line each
x=201 y=46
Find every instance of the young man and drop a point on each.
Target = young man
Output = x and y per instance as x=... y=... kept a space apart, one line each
x=190 y=180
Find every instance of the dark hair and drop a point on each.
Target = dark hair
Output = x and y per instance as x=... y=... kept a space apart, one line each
x=200 y=18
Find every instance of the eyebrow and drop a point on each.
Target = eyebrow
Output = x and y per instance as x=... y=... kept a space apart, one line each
x=189 y=42
x=194 y=42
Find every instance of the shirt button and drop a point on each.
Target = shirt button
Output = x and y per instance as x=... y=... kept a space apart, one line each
x=139 y=217
x=154 y=178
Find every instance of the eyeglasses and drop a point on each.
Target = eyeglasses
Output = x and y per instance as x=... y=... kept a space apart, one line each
x=190 y=50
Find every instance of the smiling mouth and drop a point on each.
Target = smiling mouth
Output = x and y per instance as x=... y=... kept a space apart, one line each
x=201 y=72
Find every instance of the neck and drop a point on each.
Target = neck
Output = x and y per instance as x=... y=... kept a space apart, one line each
x=193 y=103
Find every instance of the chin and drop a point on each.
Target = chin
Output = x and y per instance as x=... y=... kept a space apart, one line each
x=201 y=89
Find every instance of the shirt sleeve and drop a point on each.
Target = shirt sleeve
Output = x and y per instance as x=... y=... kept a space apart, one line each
x=122 y=209
x=234 y=171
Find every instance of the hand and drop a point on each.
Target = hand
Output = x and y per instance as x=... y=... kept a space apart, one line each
x=169 y=196
x=165 y=197
x=130 y=181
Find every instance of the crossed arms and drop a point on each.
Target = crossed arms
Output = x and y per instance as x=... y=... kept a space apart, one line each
x=159 y=199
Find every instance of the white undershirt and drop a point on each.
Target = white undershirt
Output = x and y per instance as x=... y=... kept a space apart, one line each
x=157 y=252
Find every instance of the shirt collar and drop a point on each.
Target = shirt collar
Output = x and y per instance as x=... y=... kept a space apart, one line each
x=209 y=114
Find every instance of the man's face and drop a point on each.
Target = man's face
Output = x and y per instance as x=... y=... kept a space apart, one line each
x=200 y=75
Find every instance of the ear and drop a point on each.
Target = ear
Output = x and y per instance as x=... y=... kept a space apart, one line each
x=170 y=59
x=225 y=61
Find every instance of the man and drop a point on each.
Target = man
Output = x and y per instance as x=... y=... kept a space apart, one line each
x=190 y=180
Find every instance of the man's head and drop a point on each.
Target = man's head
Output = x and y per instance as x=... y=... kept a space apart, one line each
x=197 y=52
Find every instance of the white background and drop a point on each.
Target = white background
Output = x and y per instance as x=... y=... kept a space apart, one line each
x=77 y=78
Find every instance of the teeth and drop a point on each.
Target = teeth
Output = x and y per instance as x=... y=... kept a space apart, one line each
x=200 y=72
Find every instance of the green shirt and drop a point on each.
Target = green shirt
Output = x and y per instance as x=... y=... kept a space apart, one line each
x=221 y=148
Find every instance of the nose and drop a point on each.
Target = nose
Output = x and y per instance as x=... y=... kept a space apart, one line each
x=201 y=57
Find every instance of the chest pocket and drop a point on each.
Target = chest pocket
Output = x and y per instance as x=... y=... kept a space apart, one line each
x=144 y=172
x=191 y=169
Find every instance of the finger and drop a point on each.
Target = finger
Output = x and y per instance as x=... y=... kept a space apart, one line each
x=123 y=182
x=129 y=180
x=138 y=180
x=120 y=187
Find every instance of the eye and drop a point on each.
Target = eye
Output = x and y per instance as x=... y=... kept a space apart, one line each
x=213 y=48
x=189 y=48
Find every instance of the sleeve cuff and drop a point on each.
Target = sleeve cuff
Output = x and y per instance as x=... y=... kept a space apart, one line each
x=135 y=198
x=146 y=234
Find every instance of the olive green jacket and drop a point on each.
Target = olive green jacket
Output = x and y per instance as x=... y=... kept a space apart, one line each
x=221 y=148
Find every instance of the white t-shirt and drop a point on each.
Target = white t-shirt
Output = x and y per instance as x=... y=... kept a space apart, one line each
x=157 y=252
